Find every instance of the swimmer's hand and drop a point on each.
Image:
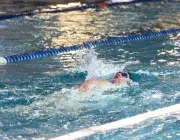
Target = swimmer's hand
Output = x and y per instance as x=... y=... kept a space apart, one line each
x=92 y=84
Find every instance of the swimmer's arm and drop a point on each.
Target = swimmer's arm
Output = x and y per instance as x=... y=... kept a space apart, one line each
x=92 y=84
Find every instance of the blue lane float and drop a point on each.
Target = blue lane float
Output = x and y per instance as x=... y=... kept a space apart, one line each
x=107 y=42
x=82 y=8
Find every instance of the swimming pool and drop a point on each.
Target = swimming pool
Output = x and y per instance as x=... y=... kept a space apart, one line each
x=37 y=97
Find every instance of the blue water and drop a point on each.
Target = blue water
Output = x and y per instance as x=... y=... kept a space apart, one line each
x=38 y=97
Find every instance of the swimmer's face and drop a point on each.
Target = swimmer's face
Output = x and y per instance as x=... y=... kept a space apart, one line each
x=120 y=77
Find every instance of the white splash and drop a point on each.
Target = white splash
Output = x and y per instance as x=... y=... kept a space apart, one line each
x=96 y=67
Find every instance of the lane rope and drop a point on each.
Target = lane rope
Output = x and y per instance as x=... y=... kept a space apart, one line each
x=124 y=123
x=82 y=8
x=107 y=42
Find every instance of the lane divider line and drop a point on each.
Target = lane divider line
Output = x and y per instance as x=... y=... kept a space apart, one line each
x=107 y=42
x=124 y=123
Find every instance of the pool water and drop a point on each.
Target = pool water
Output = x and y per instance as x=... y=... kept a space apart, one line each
x=38 y=98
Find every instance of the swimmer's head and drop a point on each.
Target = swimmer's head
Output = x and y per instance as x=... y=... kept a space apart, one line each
x=121 y=78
